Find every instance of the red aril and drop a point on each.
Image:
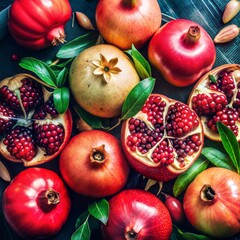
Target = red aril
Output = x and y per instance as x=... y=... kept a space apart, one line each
x=163 y=139
x=182 y=51
x=216 y=98
x=33 y=131
x=137 y=214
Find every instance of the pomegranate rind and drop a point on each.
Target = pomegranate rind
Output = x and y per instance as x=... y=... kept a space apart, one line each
x=202 y=87
x=145 y=165
x=65 y=119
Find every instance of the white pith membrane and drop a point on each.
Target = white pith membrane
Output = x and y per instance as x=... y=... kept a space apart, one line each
x=146 y=159
x=202 y=86
x=25 y=119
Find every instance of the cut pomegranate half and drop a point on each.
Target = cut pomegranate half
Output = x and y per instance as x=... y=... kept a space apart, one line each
x=216 y=97
x=32 y=131
x=163 y=139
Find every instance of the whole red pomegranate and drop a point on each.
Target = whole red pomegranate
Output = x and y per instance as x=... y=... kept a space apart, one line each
x=93 y=164
x=133 y=22
x=216 y=98
x=36 y=204
x=182 y=51
x=163 y=139
x=32 y=131
x=211 y=202
x=38 y=24
x=137 y=214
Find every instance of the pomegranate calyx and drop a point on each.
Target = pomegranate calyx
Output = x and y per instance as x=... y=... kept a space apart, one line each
x=106 y=68
x=98 y=155
x=131 y=235
x=129 y=3
x=192 y=35
x=207 y=193
x=47 y=199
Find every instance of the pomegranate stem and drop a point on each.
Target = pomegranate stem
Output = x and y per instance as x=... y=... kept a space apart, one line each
x=98 y=154
x=192 y=35
x=207 y=193
x=48 y=199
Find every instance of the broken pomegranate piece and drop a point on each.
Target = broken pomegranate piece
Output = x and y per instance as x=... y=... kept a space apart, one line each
x=163 y=139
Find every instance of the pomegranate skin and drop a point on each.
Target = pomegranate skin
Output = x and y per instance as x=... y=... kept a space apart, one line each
x=220 y=216
x=91 y=176
x=181 y=63
x=137 y=214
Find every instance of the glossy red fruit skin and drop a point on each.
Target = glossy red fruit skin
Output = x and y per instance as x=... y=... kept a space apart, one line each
x=21 y=207
x=138 y=212
x=181 y=63
x=133 y=22
x=218 y=217
x=37 y=24
x=97 y=178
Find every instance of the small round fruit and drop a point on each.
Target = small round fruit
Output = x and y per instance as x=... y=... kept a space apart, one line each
x=137 y=214
x=100 y=79
x=163 y=139
x=216 y=98
x=211 y=202
x=93 y=164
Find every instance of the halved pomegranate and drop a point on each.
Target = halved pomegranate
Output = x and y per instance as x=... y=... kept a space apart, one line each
x=216 y=97
x=163 y=139
x=31 y=129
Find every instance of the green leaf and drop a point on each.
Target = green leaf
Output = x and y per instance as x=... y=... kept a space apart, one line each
x=74 y=47
x=41 y=69
x=183 y=180
x=191 y=236
x=230 y=144
x=217 y=158
x=93 y=121
x=81 y=219
x=137 y=97
x=212 y=78
x=61 y=98
x=83 y=232
x=141 y=64
x=99 y=210
x=61 y=77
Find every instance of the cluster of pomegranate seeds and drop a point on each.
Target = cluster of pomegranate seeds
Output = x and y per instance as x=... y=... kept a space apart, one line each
x=30 y=93
x=180 y=120
x=49 y=136
x=227 y=116
x=7 y=116
x=20 y=144
x=207 y=104
x=47 y=108
x=161 y=130
x=222 y=105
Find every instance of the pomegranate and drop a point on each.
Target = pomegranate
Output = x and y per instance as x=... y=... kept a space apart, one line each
x=38 y=24
x=133 y=22
x=216 y=98
x=36 y=204
x=175 y=208
x=32 y=130
x=137 y=214
x=163 y=139
x=211 y=202
x=93 y=164
x=100 y=79
x=182 y=51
